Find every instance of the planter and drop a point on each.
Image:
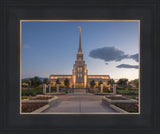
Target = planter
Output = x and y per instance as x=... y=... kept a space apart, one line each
x=47 y=103
x=104 y=94
x=109 y=101
x=28 y=101
x=112 y=103
x=118 y=109
x=60 y=93
x=40 y=109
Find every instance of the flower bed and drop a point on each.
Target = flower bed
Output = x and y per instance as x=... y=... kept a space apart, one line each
x=41 y=98
x=26 y=108
x=132 y=107
x=38 y=104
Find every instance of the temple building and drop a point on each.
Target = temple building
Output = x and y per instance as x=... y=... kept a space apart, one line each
x=80 y=77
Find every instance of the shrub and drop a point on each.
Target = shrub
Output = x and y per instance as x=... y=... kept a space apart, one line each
x=32 y=92
x=53 y=89
x=106 y=91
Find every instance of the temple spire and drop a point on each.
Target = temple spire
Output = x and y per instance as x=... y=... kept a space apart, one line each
x=80 y=49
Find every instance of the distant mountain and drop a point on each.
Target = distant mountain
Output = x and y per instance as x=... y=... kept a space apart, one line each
x=41 y=78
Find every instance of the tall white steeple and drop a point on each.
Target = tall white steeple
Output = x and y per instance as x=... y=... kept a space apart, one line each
x=80 y=49
x=79 y=72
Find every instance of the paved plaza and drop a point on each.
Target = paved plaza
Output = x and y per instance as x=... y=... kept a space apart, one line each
x=79 y=103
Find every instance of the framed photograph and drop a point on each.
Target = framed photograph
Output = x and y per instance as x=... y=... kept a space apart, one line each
x=83 y=91
x=80 y=67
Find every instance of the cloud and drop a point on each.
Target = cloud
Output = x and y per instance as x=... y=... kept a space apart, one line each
x=127 y=66
x=108 y=54
x=122 y=57
x=26 y=46
x=111 y=54
x=134 y=57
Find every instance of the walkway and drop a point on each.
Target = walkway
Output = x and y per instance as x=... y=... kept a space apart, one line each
x=79 y=103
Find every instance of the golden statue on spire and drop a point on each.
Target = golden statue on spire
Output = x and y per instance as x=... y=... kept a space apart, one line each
x=79 y=28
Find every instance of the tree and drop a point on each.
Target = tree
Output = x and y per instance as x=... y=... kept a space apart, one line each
x=57 y=81
x=110 y=82
x=35 y=81
x=100 y=82
x=25 y=83
x=66 y=82
x=122 y=82
x=134 y=82
x=92 y=83
x=25 y=80
x=46 y=81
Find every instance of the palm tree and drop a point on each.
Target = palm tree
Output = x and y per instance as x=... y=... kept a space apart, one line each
x=111 y=82
x=92 y=83
x=57 y=81
x=46 y=81
x=66 y=82
x=100 y=82
x=35 y=81
x=122 y=82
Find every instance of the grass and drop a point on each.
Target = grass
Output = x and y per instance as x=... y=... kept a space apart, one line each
x=128 y=92
x=25 y=97
x=132 y=97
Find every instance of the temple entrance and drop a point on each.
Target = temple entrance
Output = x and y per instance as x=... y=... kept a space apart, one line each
x=79 y=85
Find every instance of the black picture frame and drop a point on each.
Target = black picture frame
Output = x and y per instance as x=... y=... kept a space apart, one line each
x=12 y=11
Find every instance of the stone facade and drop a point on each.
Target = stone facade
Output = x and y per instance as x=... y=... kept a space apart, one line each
x=79 y=77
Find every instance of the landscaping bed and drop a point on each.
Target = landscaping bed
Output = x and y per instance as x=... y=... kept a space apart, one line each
x=113 y=99
x=133 y=107
x=37 y=104
x=27 y=108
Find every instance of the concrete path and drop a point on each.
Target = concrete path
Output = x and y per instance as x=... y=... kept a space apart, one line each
x=79 y=103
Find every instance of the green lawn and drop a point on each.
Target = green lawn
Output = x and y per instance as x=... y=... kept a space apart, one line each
x=25 y=97
x=132 y=97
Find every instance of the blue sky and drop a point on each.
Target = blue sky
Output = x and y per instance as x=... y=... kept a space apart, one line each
x=51 y=47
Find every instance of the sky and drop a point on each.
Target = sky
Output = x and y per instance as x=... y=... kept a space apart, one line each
x=109 y=47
